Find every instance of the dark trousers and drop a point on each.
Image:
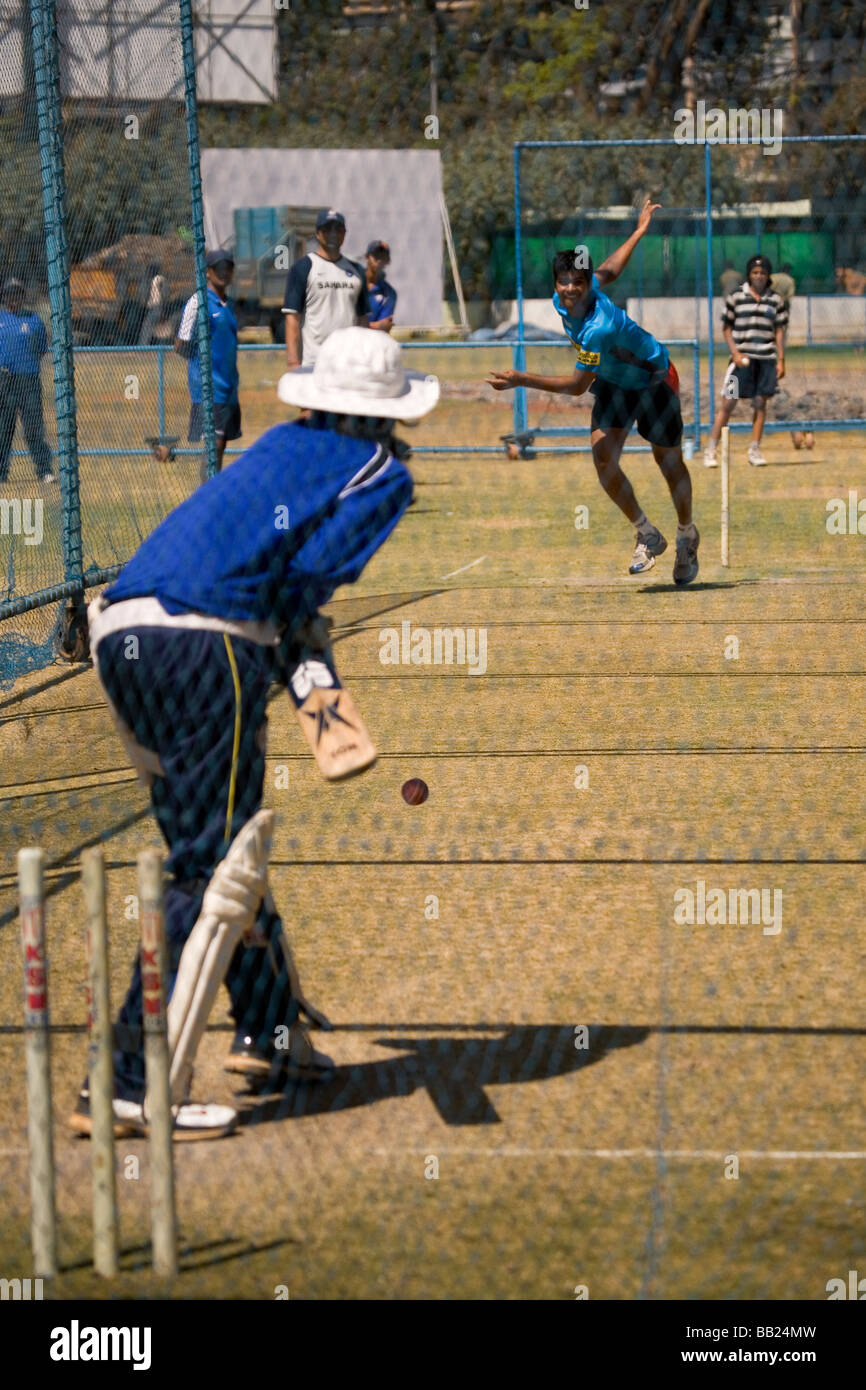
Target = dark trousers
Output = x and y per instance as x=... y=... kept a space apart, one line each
x=202 y=712
x=22 y=395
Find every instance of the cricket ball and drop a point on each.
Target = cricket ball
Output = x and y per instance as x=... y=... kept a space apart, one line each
x=415 y=791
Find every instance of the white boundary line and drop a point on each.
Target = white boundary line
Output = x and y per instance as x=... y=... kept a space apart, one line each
x=463 y=568
x=771 y=1155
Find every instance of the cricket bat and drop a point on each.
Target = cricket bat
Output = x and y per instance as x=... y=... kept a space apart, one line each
x=335 y=732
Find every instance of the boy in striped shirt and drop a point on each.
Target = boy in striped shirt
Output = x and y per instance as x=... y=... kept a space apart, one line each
x=753 y=321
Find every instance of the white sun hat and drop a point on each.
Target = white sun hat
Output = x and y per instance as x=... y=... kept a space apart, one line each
x=360 y=371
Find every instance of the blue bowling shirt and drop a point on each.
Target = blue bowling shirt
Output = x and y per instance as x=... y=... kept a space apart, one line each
x=612 y=345
x=223 y=348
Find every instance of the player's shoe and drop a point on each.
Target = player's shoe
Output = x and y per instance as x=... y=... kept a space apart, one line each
x=191 y=1120
x=650 y=543
x=297 y=1060
x=128 y=1118
x=755 y=457
x=710 y=459
x=686 y=565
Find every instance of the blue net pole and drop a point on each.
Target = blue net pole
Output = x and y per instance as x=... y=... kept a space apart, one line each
x=160 y=386
x=520 y=410
x=43 y=19
x=192 y=144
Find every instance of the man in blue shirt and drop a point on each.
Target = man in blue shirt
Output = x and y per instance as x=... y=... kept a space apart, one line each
x=224 y=356
x=633 y=381
x=219 y=603
x=23 y=344
x=382 y=296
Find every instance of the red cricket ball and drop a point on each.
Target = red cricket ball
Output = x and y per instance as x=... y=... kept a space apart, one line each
x=415 y=791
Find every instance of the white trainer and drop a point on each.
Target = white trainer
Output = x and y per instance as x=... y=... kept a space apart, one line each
x=191 y=1120
x=710 y=459
x=650 y=543
x=755 y=457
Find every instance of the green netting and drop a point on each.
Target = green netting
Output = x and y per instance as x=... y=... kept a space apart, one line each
x=98 y=228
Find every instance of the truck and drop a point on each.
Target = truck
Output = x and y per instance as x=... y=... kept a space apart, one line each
x=267 y=241
x=109 y=290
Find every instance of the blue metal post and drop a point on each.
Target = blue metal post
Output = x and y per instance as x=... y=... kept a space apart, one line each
x=160 y=388
x=519 y=354
x=192 y=145
x=43 y=20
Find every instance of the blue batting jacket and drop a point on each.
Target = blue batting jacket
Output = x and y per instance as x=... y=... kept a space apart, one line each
x=270 y=538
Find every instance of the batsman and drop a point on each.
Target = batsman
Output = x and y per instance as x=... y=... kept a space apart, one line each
x=220 y=602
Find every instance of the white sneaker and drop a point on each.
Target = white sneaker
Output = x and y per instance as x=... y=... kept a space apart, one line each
x=650 y=543
x=710 y=460
x=191 y=1120
x=195 y=1120
x=756 y=458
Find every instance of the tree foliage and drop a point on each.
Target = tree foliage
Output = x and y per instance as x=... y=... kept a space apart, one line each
x=497 y=71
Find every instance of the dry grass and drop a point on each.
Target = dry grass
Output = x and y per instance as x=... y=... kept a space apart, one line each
x=456 y=1041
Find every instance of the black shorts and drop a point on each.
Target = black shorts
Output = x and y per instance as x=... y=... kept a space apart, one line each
x=226 y=418
x=757 y=379
x=655 y=410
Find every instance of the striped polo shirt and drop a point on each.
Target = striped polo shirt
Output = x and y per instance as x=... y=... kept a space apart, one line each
x=753 y=322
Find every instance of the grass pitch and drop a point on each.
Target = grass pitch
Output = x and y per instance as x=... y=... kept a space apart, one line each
x=544 y=1079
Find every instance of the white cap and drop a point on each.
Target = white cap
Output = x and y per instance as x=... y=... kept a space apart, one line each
x=360 y=371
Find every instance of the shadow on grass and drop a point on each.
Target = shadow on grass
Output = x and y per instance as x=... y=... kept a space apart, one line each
x=350 y=612
x=453 y=1071
x=688 y=588
x=135 y=1258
